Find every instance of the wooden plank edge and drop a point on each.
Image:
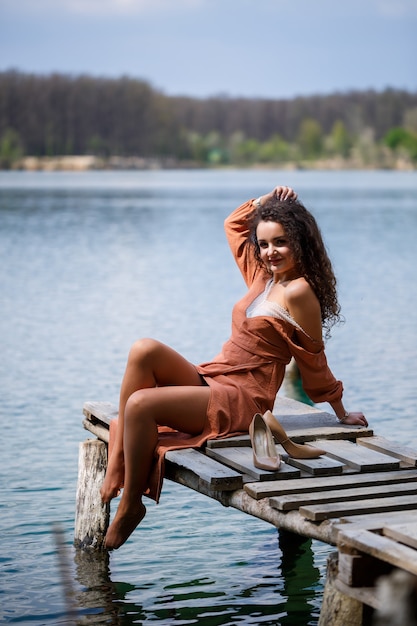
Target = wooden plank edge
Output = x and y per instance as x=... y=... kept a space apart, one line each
x=380 y=547
x=215 y=474
x=398 y=532
x=103 y=412
x=309 y=435
x=288 y=502
x=314 y=467
x=318 y=513
x=374 y=521
x=191 y=480
x=391 y=448
x=285 y=472
x=366 y=595
x=311 y=484
x=351 y=455
x=98 y=430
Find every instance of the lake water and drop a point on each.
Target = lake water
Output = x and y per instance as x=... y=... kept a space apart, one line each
x=92 y=261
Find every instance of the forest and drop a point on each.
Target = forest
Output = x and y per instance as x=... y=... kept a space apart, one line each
x=125 y=122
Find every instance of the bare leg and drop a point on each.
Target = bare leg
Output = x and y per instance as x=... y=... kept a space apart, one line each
x=150 y=364
x=183 y=408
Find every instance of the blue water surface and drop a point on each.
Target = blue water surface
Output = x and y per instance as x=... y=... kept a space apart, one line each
x=92 y=261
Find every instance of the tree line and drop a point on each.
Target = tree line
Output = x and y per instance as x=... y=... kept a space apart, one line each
x=57 y=114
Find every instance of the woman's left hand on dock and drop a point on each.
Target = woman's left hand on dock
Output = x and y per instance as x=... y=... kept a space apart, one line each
x=355 y=417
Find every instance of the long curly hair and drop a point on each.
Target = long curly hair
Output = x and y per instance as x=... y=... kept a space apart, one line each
x=307 y=246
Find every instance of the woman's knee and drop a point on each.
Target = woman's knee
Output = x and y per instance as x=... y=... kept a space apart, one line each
x=139 y=406
x=143 y=349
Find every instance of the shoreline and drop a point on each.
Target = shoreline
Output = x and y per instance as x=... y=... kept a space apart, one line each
x=81 y=163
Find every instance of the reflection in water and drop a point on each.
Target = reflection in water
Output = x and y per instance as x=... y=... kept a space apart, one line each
x=97 y=599
x=286 y=599
x=300 y=577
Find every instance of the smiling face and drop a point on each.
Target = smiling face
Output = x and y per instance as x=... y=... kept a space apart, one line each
x=275 y=250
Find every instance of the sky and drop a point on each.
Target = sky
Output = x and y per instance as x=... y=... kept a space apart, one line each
x=275 y=49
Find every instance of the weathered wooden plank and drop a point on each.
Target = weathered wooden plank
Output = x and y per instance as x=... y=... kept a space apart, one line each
x=216 y=475
x=380 y=547
x=102 y=412
x=239 y=441
x=295 y=501
x=303 y=424
x=376 y=521
x=297 y=418
x=358 y=457
x=97 y=429
x=404 y=533
x=380 y=444
x=361 y=570
x=364 y=595
x=310 y=484
x=308 y=435
x=322 y=466
x=321 y=512
x=241 y=459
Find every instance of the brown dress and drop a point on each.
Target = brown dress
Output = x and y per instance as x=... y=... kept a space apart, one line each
x=247 y=374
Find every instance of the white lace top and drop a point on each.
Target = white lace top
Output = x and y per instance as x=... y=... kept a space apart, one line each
x=261 y=306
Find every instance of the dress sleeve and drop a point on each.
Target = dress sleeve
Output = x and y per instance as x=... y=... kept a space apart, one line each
x=317 y=379
x=237 y=231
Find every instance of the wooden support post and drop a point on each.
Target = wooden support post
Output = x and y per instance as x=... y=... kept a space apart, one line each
x=338 y=609
x=397 y=595
x=92 y=516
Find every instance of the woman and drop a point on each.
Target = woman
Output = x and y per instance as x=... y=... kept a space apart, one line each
x=279 y=250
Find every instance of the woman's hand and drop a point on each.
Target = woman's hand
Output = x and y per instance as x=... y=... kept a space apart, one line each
x=284 y=193
x=354 y=418
x=279 y=193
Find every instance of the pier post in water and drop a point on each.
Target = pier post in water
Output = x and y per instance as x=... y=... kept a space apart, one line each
x=338 y=609
x=92 y=516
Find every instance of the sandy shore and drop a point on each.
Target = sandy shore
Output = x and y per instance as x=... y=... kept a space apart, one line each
x=90 y=162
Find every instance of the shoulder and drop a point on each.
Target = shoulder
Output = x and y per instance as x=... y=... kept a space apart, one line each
x=298 y=291
x=304 y=307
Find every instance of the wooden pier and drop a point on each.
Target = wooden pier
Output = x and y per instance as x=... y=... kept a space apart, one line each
x=361 y=497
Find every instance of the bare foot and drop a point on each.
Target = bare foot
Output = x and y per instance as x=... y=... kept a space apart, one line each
x=123 y=525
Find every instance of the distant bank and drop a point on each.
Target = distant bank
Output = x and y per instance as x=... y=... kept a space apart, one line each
x=90 y=162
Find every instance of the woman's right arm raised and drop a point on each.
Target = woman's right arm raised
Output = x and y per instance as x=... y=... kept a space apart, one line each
x=237 y=230
x=278 y=193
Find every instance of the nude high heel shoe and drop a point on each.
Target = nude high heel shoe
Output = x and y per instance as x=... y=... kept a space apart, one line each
x=293 y=449
x=265 y=455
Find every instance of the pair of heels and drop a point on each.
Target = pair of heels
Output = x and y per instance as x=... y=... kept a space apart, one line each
x=263 y=430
